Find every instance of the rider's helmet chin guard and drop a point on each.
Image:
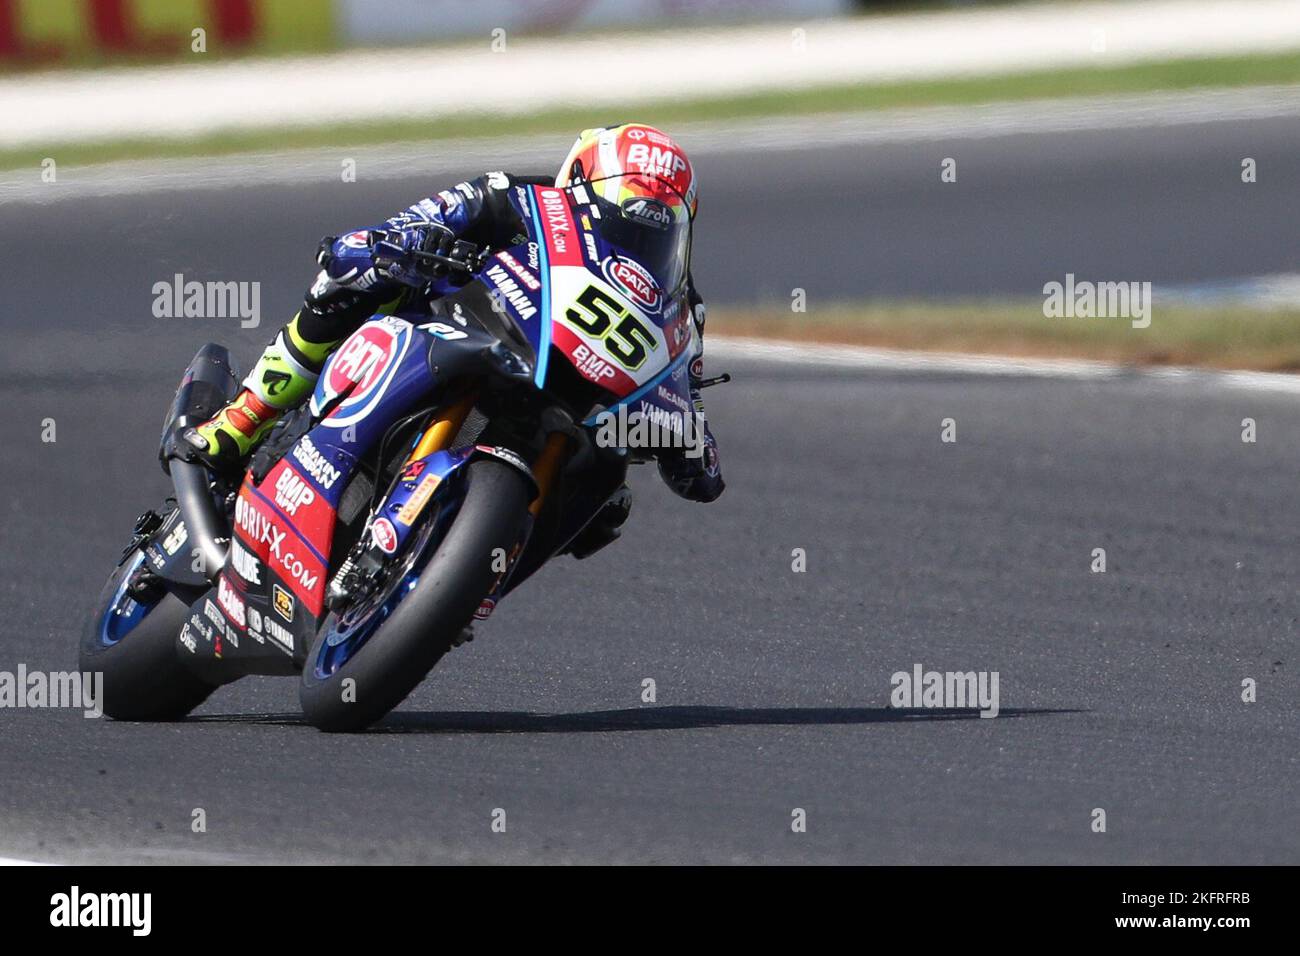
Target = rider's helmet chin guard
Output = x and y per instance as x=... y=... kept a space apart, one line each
x=643 y=177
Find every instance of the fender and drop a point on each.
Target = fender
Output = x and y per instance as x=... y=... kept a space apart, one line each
x=510 y=458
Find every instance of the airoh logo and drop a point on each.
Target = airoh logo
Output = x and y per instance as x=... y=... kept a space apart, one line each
x=650 y=212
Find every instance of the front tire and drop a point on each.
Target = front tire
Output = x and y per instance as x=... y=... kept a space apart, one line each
x=393 y=661
x=144 y=679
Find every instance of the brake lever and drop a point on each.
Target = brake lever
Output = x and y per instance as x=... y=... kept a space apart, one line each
x=722 y=379
x=451 y=263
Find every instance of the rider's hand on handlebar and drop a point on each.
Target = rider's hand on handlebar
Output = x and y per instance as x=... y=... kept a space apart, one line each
x=421 y=252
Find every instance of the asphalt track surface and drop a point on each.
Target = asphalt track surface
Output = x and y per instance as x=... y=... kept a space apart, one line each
x=1118 y=691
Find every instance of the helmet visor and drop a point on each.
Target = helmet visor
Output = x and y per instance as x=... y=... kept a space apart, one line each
x=648 y=221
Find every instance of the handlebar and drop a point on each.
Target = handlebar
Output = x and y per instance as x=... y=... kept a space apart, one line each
x=466 y=259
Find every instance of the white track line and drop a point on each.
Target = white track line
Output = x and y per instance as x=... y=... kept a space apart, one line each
x=723 y=348
x=437 y=80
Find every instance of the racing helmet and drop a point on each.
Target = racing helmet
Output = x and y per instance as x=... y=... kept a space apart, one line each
x=644 y=178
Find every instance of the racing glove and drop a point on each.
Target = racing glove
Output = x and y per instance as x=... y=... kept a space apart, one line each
x=695 y=477
x=406 y=254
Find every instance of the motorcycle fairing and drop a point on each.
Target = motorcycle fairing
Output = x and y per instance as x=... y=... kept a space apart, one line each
x=284 y=525
x=669 y=392
x=262 y=614
x=269 y=599
x=293 y=549
x=588 y=299
x=383 y=363
x=273 y=587
x=229 y=634
x=169 y=556
x=512 y=278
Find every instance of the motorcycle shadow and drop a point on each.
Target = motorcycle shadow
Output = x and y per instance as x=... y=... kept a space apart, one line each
x=650 y=717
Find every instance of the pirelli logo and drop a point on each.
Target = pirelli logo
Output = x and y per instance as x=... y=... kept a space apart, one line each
x=415 y=504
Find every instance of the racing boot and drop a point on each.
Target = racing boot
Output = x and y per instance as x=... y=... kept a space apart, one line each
x=282 y=379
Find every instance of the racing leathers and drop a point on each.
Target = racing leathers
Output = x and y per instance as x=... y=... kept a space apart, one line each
x=370 y=271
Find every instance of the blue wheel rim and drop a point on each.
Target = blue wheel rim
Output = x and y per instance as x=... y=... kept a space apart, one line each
x=349 y=633
x=124 y=613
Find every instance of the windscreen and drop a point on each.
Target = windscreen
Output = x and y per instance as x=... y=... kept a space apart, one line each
x=656 y=232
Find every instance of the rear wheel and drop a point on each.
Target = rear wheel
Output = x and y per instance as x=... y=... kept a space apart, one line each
x=404 y=635
x=133 y=643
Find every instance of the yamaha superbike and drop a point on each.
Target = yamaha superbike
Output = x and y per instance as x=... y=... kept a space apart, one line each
x=445 y=455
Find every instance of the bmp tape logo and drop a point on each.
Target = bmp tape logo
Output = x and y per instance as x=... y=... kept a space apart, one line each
x=76 y=909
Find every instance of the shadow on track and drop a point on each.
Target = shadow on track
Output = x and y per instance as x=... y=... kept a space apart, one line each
x=638 y=718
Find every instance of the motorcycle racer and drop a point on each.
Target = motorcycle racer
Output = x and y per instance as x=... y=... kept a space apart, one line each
x=639 y=169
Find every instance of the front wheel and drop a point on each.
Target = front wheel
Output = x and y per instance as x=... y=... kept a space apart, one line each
x=134 y=644
x=348 y=692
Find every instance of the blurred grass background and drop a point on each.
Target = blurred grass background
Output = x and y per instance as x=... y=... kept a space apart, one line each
x=1226 y=336
x=1212 y=72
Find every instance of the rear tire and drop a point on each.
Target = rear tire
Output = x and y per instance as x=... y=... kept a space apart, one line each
x=400 y=654
x=144 y=679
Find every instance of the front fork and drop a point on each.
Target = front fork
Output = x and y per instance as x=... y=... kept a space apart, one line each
x=364 y=569
x=440 y=433
x=442 y=430
x=545 y=467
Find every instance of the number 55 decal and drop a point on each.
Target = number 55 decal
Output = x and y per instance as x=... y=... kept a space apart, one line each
x=626 y=341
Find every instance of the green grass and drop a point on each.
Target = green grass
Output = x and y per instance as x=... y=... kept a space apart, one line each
x=1175 y=75
x=1216 y=337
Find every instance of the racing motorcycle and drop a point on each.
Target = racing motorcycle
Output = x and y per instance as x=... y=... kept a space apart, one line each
x=444 y=456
